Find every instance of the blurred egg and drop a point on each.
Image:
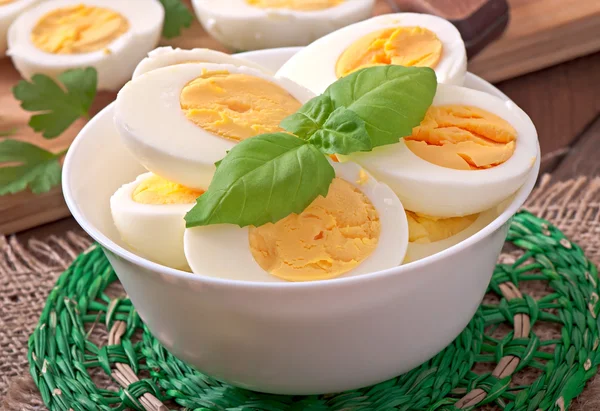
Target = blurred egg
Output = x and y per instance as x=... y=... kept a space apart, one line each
x=360 y=227
x=425 y=241
x=258 y=24
x=9 y=11
x=472 y=151
x=180 y=120
x=407 y=39
x=110 y=35
x=149 y=215
x=167 y=56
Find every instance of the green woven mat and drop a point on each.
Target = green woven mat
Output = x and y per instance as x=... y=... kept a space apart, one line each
x=62 y=357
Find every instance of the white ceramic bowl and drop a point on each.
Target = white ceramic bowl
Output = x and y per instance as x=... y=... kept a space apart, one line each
x=288 y=338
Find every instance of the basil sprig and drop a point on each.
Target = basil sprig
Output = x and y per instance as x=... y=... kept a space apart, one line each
x=390 y=100
x=261 y=180
x=267 y=177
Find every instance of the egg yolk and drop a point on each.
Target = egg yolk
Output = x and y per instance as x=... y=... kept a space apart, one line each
x=424 y=229
x=78 y=29
x=157 y=190
x=329 y=238
x=463 y=138
x=403 y=46
x=3 y=2
x=236 y=106
x=302 y=5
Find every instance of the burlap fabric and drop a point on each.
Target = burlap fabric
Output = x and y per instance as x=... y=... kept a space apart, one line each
x=29 y=271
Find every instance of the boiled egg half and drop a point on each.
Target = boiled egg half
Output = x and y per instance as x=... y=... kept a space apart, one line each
x=180 y=120
x=259 y=24
x=430 y=235
x=9 y=11
x=406 y=39
x=471 y=151
x=110 y=35
x=149 y=215
x=167 y=56
x=360 y=227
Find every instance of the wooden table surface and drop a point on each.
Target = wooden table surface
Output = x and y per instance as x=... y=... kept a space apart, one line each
x=563 y=101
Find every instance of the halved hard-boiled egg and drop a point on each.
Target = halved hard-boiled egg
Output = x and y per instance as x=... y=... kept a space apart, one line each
x=406 y=39
x=259 y=24
x=472 y=151
x=110 y=35
x=167 y=56
x=430 y=235
x=359 y=227
x=149 y=215
x=9 y=11
x=180 y=120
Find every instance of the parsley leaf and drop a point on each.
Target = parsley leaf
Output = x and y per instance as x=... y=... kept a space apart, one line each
x=35 y=168
x=331 y=130
x=59 y=106
x=177 y=17
x=263 y=179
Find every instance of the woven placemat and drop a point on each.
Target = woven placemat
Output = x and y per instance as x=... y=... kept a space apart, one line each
x=541 y=360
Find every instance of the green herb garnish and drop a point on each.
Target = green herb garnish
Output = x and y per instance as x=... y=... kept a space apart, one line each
x=31 y=167
x=266 y=178
x=331 y=130
x=60 y=106
x=177 y=17
x=261 y=180
x=391 y=100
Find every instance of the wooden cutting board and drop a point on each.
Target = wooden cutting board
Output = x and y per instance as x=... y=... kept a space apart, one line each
x=540 y=33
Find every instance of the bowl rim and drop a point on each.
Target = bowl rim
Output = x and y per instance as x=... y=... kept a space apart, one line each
x=108 y=244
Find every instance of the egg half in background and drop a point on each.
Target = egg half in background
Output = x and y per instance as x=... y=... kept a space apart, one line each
x=425 y=187
x=110 y=35
x=168 y=56
x=178 y=121
x=9 y=11
x=258 y=24
x=407 y=39
x=149 y=215
x=359 y=228
x=431 y=236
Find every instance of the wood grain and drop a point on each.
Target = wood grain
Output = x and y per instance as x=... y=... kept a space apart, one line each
x=449 y=9
x=562 y=101
x=582 y=157
x=541 y=33
x=25 y=210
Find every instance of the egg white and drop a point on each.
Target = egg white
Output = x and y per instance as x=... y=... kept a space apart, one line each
x=152 y=125
x=418 y=251
x=167 y=56
x=154 y=231
x=223 y=250
x=8 y=13
x=314 y=66
x=114 y=66
x=241 y=26
x=427 y=188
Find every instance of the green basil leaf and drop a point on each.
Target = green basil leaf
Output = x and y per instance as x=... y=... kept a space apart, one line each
x=310 y=118
x=332 y=130
x=343 y=133
x=263 y=179
x=391 y=100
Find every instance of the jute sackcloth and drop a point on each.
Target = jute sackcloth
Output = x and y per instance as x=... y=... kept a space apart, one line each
x=28 y=272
